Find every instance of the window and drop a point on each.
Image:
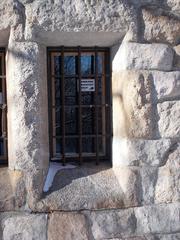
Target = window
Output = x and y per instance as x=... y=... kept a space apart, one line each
x=3 y=109
x=79 y=104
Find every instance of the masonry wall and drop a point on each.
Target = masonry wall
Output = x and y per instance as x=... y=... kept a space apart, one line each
x=144 y=38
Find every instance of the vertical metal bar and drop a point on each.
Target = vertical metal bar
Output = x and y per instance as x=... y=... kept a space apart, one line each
x=49 y=83
x=108 y=104
x=79 y=103
x=63 y=105
x=4 y=110
x=96 y=107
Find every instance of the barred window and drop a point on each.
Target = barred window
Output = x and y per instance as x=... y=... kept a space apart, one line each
x=79 y=103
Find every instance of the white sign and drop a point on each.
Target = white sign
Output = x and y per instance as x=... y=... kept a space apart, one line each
x=87 y=85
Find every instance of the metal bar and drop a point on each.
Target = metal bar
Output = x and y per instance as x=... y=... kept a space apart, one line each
x=4 y=108
x=96 y=103
x=63 y=108
x=83 y=136
x=74 y=49
x=49 y=83
x=74 y=76
x=82 y=106
x=79 y=103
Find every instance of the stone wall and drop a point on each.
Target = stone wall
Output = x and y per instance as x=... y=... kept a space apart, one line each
x=144 y=37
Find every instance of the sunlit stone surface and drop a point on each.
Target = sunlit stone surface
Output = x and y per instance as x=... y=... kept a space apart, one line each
x=137 y=196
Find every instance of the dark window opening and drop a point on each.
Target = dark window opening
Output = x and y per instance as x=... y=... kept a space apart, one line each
x=3 y=109
x=79 y=83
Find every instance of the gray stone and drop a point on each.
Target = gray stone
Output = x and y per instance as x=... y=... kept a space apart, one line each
x=173 y=161
x=177 y=57
x=144 y=56
x=139 y=152
x=163 y=218
x=91 y=187
x=78 y=16
x=169 y=115
x=175 y=236
x=12 y=190
x=25 y=227
x=159 y=185
x=160 y=28
x=167 y=85
x=27 y=109
x=167 y=188
x=132 y=104
x=112 y=224
x=67 y=226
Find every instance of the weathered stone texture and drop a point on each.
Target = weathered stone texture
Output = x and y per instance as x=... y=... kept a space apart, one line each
x=132 y=113
x=173 y=161
x=144 y=56
x=177 y=57
x=86 y=15
x=167 y=188
x=139 y=152
x=112 y=224
x=92 y=188
x=169 y=115
x=158 y=218
x=25 y=227
x=12 y=190
x=12 y=13
x=67 y=226
x=27 y=109
x=167 y=85
x=159 y=185
x=24 y=97
x=160 y=28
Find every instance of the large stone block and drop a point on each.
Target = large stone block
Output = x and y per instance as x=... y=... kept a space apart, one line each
x=25 y=227
x=78 y=16
x=138 y=152
x=12 y=13
x=169 y=115
x=175 y=236
x=158 y=219
x=12 y=190
x=132 y=104
x=27 y=106
x=173 y=161
x=67 y=226
x=112 y=224
x=28 y=147
x=167 y=187
x=160 y=28
x=167 y=85
x=143 y=56
x=177 y=57
x=91 y=187
x=159 y=185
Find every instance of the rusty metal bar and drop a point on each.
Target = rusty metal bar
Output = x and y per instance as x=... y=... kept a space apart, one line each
x=96 y=108
x=63 y=106
x=80 y=107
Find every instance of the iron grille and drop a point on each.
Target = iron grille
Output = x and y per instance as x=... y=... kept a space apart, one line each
x=79 y=90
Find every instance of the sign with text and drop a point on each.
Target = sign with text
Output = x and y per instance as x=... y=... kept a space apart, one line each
x=87 y=85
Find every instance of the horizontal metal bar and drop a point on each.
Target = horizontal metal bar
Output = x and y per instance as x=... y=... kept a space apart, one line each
x=76 y=76
x=84 y=136
x=83 y=106
x=75 y=49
